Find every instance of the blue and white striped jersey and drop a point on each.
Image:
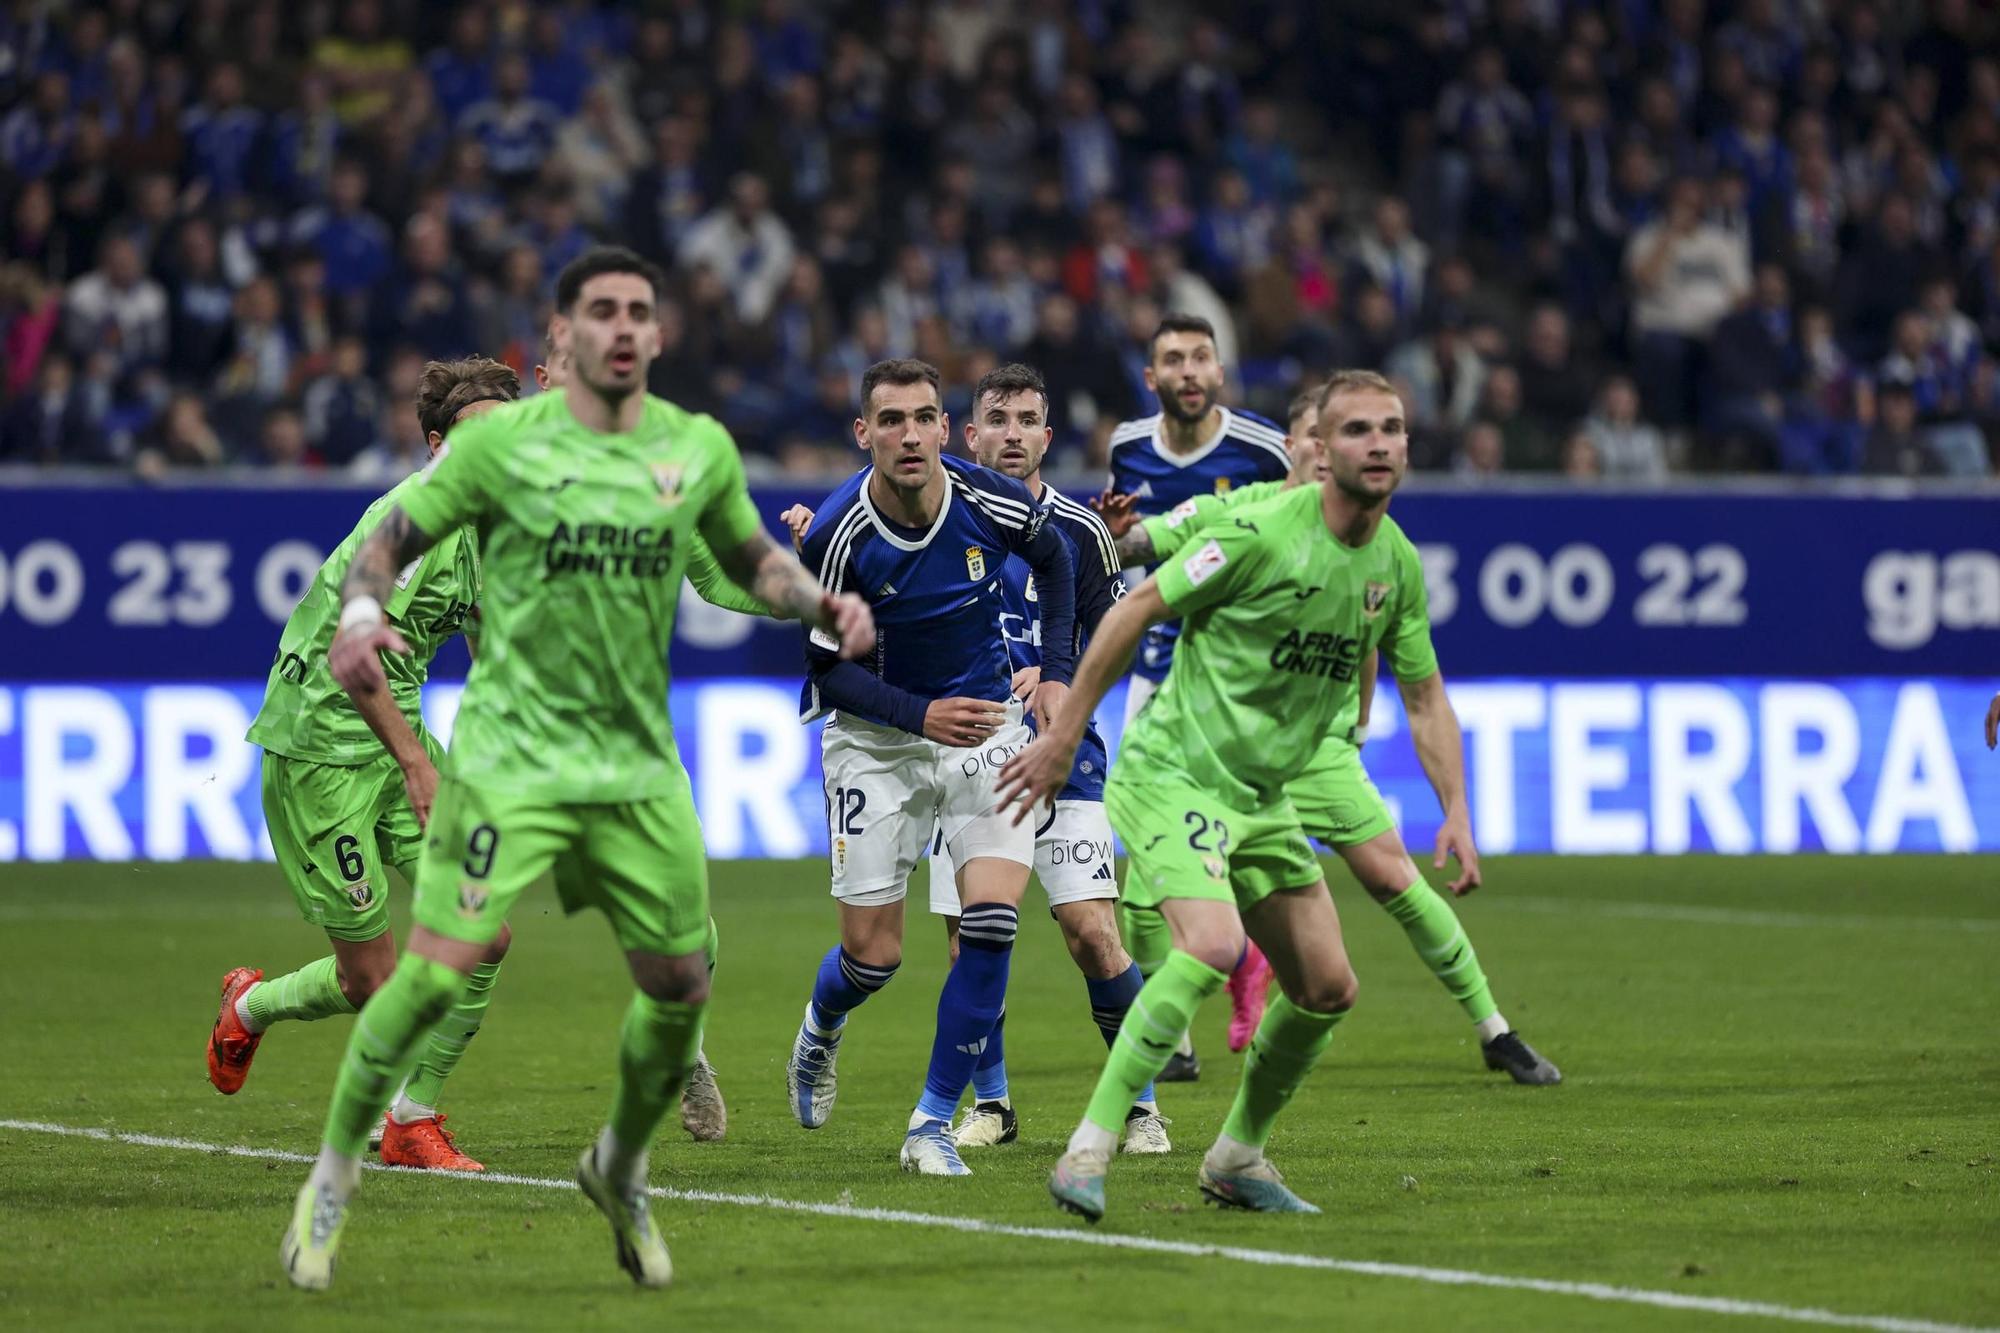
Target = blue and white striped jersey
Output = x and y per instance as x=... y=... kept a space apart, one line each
x=1244 y=449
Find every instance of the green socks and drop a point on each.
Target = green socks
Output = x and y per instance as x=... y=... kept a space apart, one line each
x=1289 y=1042
x=449 y=1040
x=1148 y=938
x=1152 y=1027
x=655 y=1053
x=302 y=996
x=384 y=1045
x=1441 y=942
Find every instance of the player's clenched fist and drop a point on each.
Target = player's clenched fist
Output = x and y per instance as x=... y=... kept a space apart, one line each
x=853 y=623
x=356 y=656
x=963 y=722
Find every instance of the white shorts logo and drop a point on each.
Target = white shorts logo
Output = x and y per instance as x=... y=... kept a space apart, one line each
x=1203 y=563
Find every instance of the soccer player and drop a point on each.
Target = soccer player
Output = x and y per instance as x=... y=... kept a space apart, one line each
x=1336 y=801
x=348 y=786
x=918 y=731
x=1010 y=434
x=1192 y=446
x=563 y=756
x=704 y=1114
x=1281 y=603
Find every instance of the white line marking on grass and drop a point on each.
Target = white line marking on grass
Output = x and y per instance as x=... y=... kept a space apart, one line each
x=1735 y=916
x=1447 y=1277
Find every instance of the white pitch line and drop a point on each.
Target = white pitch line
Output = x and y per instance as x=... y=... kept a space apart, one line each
x=1447 y=1277
x=1734 y=916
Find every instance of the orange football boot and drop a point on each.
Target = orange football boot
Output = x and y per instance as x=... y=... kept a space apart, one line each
x=425 y=1144
x=231 y=1046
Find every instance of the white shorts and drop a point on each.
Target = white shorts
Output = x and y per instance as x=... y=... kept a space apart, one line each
x=1139 y=691
x=1072 y=856
x=888 y=793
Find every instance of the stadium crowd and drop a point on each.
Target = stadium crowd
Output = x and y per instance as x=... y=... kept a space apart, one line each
x=1618 y=240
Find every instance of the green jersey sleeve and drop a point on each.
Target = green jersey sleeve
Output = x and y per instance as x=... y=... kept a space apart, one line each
x=455 y=488
x=716 y=587
x=1170 y=531
x=730 y=517
x=1222 y=559
x=1406 y=647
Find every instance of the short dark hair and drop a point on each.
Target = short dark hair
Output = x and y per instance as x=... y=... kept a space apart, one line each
x=1304 y=401
x=1008 y=380
x=449 y=387
x=1179 y=323
x=599 y=260
x=898 y=370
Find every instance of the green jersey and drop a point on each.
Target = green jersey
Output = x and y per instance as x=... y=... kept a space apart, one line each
x=306 y=715
x=1277 y=617
x=584 y=538
x=717 y=588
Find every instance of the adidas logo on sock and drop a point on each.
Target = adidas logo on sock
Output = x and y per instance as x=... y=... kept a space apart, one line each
x=974 y=1048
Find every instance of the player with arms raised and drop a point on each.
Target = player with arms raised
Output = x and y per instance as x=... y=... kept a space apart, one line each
x=1282 y=602
x=1336 y=801
x=347 y=787
x=1192 y=446
x=563 y=756
x=919 y=729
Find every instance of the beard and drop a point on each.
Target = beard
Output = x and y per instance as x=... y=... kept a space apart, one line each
x=1170 y=403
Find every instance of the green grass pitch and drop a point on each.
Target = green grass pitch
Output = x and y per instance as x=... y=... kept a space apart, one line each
x=1781 y=1087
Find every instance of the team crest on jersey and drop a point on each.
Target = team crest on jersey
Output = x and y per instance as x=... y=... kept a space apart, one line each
x=667 y=476
x=1203 y=563
x=1223 y=485
x=471 y=900
x=409 y=572
x=1217 y=868
x=1373 y=598
x=360 y=894
x=1028 y=591
x=1180 y=513
x=975 y=563
x=839 y=855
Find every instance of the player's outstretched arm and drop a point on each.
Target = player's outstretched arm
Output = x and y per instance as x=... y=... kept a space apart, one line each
x=1135 y=546
x=356 y=655
x=775 y=576
x=1036 y=774
x=1441 y=750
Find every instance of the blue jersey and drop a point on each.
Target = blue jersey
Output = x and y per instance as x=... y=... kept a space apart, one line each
x=936 y=594
x=1095 y=557
x=1244 y=449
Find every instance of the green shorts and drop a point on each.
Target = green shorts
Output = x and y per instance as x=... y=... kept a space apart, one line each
x=336 y=829
x=641 y=863
x=1336 y=801
x=1184 y=842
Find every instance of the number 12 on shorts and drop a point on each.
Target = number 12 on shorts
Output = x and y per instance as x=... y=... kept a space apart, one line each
x=845 y=812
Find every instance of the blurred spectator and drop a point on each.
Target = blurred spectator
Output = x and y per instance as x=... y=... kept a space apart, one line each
x=1524 y=445
x=1394 y=259
x=30 y=318
x=1484 y=128
x=363 y=62
x=281 y=442
x=798 y=151
x=461 y=72
x=1258 y=150
x=36 y=134
x=1441 y=377
x=1481 y=455
x=1943 y=395
x=516 y=131
x=353 y=243
x=1894 y=447
x=998 y=308
x=1686 y=275
x=1087 y=393
x=1628 y=449
x=670 y=195
x=1878 y=277
x=223 y=135
x=1753 y=365
x=1821 y=432
x=342 y=405
x=199 y=303
x=1555 y=385
x=557 y=74
x=512 y=318
x=53 y=423
x=1802 y=228
x=1232 y=237
x=1580 y=459
x=745 y=244
x=116 y=306
x=1086 y=147
x=183 y=439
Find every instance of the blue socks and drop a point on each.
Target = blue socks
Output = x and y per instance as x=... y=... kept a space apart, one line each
x=974 y=995
x=1110 y=997
x=842 y=984
x=989 y=1076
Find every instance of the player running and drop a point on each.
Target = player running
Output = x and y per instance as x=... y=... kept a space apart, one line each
x=1192 y=446
x=1282 y=602
x=918 y=731
x=1010 y=434
x=347 y=789
x=1336 y=801
x=563 y=756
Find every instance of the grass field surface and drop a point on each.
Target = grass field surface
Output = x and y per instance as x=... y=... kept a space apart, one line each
x=1779 y=1105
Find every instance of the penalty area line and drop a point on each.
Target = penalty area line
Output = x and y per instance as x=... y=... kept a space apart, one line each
x=1446 y=1277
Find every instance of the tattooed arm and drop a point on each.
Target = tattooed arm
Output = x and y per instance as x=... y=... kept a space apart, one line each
x=777 y=578
x=356 y=656
x=1135 y=546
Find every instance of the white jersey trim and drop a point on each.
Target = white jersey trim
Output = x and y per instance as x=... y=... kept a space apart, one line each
x=882 y=524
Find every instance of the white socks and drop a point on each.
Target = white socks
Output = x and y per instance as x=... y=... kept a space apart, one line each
x=1229 y=1155
x=1491 y=1026
x=1092 y=1138
x=624 y=1167
x=335 y=1171
x=243 y=1008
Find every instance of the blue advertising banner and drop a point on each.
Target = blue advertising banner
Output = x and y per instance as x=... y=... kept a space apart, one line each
x=115 y=771
x=139 y=584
